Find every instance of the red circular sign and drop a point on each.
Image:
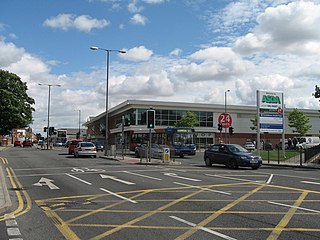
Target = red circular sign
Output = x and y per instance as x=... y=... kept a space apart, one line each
x=225 y=119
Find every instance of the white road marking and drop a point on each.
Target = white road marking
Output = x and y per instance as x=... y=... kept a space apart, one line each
x=231 y=178
x=269 y=179
x=291 y=206
x=140 y=175
x=316 y=183
x=116 y=179
x=207 y=189
x=177 y=176
x=46 y=182
x=79 y=179
x=11 y=223
x=117 y=195
x=13 y=232
x=203 y=228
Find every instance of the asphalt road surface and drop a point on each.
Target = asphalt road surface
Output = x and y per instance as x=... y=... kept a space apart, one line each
x=55 y=196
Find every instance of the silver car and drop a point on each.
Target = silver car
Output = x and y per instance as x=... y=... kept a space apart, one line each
x=85 y=149
x=156 y=150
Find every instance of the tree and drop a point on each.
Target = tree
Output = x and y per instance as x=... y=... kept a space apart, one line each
x=188 y=120
x=254 y=122
x=316 y=93
x=15 y=104
x=299 y=121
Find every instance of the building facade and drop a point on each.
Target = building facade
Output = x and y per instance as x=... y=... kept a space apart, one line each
x=132 y=113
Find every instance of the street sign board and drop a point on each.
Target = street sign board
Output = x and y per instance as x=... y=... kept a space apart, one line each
x=225 y=119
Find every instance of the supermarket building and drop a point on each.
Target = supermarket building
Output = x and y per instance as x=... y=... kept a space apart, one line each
x=133 y=112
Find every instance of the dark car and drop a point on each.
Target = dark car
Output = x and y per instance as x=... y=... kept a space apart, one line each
x=99 y=146
x=231 y=155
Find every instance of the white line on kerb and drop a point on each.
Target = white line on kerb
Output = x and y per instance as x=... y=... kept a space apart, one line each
x=203 y=228
x=79 y=179
x=140 y=175
x=291 y=206
x=117 y=195
x=207 y=189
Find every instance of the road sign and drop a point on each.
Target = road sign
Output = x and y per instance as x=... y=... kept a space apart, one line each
x=225 y=119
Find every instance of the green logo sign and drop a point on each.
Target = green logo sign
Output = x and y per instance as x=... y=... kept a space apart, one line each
x=270 y=99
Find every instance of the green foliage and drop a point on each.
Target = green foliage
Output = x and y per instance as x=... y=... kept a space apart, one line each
x=316 y=93
x=15 y=105
x=254 y=122
x=188 y=120
x=299 y=121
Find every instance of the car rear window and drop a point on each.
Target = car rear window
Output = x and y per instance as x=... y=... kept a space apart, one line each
x=87 y=145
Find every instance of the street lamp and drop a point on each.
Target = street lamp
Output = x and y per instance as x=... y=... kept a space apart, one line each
x=79 y=111
x=48 y=121
x=107 y=87
x=225 y=111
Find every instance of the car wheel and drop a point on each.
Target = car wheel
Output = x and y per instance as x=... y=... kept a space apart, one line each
x=95 y=156
x=208 y=162
x=233 y=164
x=255 y=167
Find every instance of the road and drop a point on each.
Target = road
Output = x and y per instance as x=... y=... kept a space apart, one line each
x=56 y=196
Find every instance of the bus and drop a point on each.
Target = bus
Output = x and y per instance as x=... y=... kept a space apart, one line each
x=182 y=140
x=179 y=139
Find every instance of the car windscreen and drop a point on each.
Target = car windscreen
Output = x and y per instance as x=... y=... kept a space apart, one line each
x=236 y=148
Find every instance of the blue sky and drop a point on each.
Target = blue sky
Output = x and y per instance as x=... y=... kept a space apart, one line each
x=183 y=51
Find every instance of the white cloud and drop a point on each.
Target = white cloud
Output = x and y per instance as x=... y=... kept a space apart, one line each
x=291 y=28
x=133 y=8
x=82 y=23
x=154 y=1
x=220 y=64
x=9 y=53
x=140 y=53
x=138 y=19
x=176 y=52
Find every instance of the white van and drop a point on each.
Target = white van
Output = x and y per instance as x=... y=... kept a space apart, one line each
x=308 y=142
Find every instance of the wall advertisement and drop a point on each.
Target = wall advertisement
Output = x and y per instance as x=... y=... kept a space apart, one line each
x=270 y=111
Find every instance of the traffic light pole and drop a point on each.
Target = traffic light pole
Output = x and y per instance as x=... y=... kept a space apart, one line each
x=149 y=145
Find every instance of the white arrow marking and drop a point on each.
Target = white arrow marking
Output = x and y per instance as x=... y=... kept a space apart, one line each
x=140 y=175
x=176 y=176
x=116 y=179
x=46 y=182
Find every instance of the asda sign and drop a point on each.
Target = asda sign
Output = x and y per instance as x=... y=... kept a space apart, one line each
x=271 y=99
x=270 y=109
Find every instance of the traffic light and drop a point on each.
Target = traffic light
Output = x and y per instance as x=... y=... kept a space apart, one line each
x=231 y=130
x=51 y=131
x=45 y=129
x=127 y=122
x=220 y=127
x=151 y=118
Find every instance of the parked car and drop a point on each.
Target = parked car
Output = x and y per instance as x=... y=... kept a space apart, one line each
x=27 y=143
x=308 y=142
x=249 y=146
x=72 y=145
x=85 y=149
x=231 y=155
x=17 y=143
x=156 y=150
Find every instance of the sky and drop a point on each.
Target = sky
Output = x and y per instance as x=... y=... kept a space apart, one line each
x=176 y=50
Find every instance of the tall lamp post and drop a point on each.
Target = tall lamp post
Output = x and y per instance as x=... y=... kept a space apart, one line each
x=225 y=111
x=107 y=87
x=79 y=111
x=48 y=121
